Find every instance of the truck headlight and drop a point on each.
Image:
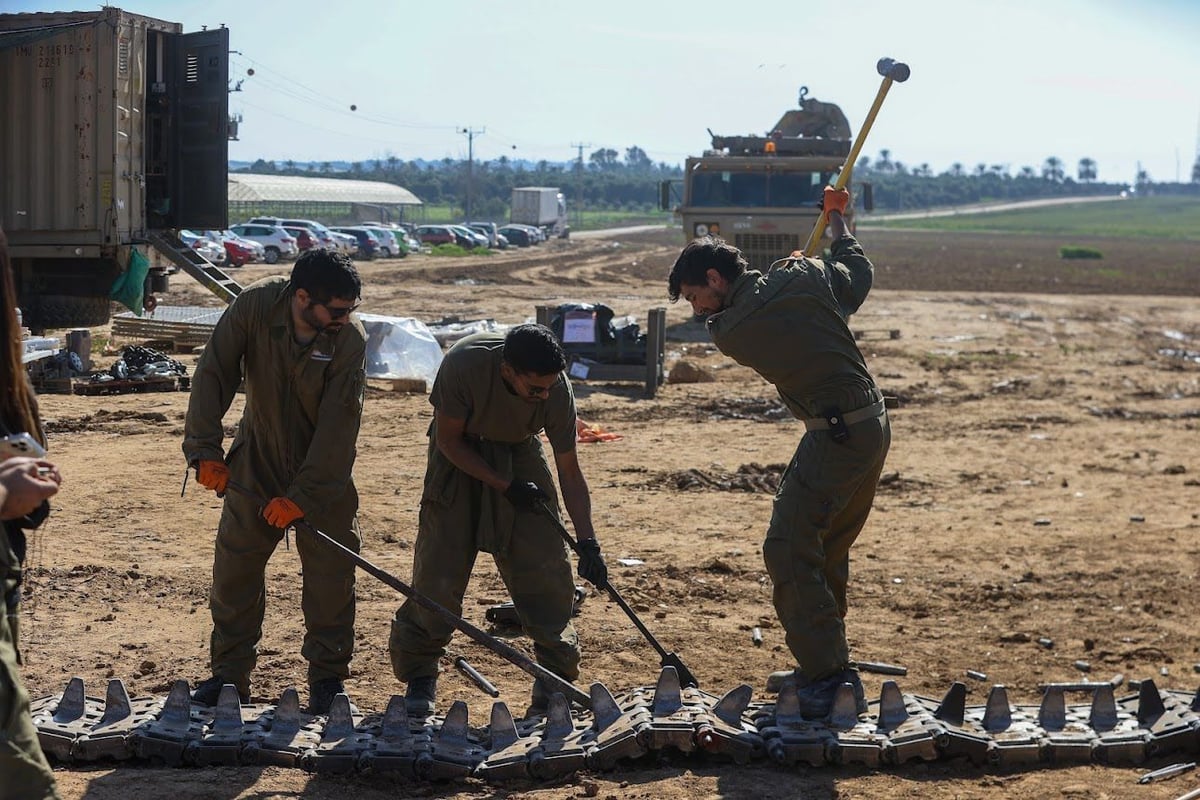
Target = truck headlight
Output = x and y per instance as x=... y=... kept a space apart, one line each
x=706 y=229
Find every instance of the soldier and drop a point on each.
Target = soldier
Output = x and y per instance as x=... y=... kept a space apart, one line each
x=25 y=486
x=790 y=326
x=487 y=486
x=302 y=358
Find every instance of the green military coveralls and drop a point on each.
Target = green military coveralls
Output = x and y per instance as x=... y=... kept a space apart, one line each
x=461 y=516
x=24 y=772
x=790 y=326
x=296 y=439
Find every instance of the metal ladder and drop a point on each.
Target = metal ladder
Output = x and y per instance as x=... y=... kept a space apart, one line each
x=208 y=274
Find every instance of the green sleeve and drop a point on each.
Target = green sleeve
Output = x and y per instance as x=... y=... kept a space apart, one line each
x=450 y=394
x=560 y=418
x=850 y=274
x=330 y=458
x=215 y=382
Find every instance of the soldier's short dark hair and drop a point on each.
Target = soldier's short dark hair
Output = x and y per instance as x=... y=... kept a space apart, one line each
x=534 y=349
x=325 y=274
x=701 y=255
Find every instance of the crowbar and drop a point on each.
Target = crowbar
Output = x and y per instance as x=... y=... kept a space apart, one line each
x=498 y=647
x=893 y=72
x=686 y=678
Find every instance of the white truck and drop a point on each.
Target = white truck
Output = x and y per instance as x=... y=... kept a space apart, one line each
x=542 y=207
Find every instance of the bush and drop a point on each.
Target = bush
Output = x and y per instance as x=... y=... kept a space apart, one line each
x=1074 y=251
x=456 y=250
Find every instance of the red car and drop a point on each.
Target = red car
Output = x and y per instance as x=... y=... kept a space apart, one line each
x=436 y=234
x=237 y=252
x=305 y=239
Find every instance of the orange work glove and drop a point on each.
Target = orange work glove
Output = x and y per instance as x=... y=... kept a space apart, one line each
x=282 y=512
x=213 y=475
x=835 y=200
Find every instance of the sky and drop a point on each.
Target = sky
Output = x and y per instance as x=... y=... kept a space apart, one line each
x=1008 y=82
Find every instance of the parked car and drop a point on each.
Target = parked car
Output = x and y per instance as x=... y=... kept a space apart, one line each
x=259 y=251
x=472 y=235
x=436 y=234
x=492 y=231
x=517 y=235
x=277 y=243
x=237 y=251
x=305 y=239
x=388 y=244
x=211 y=251
x=323 y=232
x=368 y=245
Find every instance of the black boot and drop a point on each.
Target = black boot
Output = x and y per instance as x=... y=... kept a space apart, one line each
x=209 y=691
x=420 y=697
x=816 y=697
x=321 y=693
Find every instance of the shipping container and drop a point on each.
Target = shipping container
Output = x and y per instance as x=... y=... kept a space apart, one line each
x=116 y=127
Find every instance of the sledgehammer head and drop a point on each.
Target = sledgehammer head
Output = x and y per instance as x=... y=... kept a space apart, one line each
x=891 y=68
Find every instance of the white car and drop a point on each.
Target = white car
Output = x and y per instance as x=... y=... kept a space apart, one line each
x=213 y=252
x=277 y=243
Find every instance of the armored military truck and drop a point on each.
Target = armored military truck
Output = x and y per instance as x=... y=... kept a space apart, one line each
x=115 y=128
x=761 y=193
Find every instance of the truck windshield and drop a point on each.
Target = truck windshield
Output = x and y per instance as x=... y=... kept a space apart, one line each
x=758 y=189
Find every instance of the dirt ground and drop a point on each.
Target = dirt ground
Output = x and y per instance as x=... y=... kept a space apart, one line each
x=1043 y=482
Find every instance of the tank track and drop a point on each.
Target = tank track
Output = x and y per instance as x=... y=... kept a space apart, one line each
x=621 y=729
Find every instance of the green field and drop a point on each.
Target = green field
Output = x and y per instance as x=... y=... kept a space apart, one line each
x=1173 y=218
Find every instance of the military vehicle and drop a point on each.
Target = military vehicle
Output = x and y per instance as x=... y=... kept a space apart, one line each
x=762 y=193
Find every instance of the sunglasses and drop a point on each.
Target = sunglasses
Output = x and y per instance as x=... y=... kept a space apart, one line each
x=336 y=312
x=532 y=390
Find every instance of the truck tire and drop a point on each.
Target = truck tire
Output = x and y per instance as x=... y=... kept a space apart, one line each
x=68 y=311
x=271 y=256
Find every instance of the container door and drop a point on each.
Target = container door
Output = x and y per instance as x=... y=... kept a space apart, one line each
x=199 y=174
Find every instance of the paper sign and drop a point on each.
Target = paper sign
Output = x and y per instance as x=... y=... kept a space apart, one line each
x=578 y=370
x=579 y=329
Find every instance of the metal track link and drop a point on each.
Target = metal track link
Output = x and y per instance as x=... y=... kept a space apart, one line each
x=664 y=718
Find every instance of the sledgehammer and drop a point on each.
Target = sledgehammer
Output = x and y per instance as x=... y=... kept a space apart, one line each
x=686 y=678
x=490 y=642
x=893 y=72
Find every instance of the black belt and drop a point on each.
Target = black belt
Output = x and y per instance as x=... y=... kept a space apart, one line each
x=836 y=420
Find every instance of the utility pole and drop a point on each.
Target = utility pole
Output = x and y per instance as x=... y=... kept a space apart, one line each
x=470 y=133
x=579 y=183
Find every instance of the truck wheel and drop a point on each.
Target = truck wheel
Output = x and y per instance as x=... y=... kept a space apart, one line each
x=272 y=255
x=68 y=311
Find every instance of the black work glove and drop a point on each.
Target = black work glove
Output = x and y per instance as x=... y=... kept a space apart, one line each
x=525 y=495
x=591 y=564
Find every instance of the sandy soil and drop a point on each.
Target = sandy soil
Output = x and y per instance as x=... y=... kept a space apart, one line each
x=1043 y=482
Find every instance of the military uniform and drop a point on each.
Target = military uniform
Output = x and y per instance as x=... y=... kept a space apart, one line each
x=790 y=326
x=24 y=772
x=461 y=516
x=296 y=439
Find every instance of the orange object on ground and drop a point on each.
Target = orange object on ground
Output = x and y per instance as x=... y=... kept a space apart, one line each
x=593 y=433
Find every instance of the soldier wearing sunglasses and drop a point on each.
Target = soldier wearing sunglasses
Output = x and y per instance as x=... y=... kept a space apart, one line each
x=488 y=489
x=302 y=358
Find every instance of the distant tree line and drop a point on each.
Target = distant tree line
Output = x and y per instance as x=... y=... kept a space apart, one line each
x=629 y=181
x=607 y=180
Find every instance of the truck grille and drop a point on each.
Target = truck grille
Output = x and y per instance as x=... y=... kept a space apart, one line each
x=761 y=249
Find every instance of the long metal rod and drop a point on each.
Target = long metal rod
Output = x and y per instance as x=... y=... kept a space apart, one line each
x=498 y=647
x=686 y=677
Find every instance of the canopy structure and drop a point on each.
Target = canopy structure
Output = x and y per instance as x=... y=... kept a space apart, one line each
x=329 y=200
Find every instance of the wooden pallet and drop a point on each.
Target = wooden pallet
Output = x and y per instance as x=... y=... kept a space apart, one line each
x=180 y=383
x=413 y=385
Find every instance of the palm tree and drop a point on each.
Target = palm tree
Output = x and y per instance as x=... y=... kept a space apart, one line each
x=1087 y=170
x=1052 y=169
x=1196 y=171
x=956 y=169
x=884 y=164
x=1028 y=173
